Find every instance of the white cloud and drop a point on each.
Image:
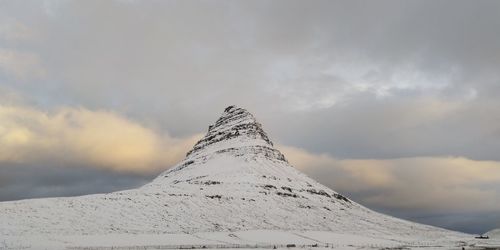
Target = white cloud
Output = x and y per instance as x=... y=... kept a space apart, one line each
x=319 y=83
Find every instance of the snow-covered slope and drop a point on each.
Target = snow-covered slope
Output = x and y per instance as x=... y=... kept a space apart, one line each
x=232 y=180
x=494 y=234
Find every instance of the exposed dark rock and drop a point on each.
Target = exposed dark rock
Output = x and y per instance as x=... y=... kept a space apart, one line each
x=318 y=192
x=185 y=164
x=341 y=197
x=211 y=183
x=217 y=196
x=286 y=194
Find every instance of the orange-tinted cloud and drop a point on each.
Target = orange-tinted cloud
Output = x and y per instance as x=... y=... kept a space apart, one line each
x=419 y=183
x=80 y=136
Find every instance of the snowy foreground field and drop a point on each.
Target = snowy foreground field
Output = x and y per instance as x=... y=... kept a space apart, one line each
x=240 y=240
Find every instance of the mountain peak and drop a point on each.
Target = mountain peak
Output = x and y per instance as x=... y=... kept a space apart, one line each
x=232 y=117
x=233 y=181
x=235 y=128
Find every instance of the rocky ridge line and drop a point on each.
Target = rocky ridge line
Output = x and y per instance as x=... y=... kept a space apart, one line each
x=239 y=125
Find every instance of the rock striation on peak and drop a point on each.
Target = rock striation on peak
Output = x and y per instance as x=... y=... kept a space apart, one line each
x=235 y=129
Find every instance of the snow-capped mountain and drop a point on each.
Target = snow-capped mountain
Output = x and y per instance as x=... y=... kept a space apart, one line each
x=232 y=180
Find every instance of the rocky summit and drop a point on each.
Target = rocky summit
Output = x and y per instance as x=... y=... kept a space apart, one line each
x=234 y=131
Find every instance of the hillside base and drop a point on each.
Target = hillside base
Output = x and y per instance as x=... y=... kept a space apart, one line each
x=253 y=239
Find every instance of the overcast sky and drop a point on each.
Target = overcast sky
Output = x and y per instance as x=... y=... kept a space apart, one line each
x=394 y=103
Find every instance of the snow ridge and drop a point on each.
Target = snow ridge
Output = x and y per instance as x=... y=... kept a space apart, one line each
x=494 y=234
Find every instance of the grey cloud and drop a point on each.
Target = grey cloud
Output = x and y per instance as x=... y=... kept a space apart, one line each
x=34 y=181
x=474 y=223
x=397 y=127
x=455 y=193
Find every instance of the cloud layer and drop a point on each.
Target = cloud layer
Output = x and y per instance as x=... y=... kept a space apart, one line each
x=377 y=93
x=78 y=136
x=418 y=186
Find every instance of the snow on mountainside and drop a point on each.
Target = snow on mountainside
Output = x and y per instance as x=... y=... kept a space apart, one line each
x=232 y=180
x=494 y=234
